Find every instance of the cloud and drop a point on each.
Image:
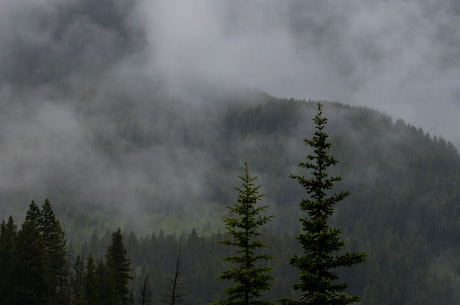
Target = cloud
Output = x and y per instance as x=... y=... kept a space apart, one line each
x=398 y=57
x=78 y=78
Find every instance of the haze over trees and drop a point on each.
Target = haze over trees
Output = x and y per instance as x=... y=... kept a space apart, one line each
x=409 y=235
x=126 y=118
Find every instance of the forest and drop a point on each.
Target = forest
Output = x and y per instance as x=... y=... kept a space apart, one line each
x=124 y=131
x=402 y=212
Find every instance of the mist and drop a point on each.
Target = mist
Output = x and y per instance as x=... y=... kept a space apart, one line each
x=78 y=78
x=397 y=57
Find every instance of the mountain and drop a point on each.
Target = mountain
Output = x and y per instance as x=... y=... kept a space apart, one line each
x=97 y=117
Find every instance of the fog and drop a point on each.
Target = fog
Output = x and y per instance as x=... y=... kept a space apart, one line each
x=76 y=75
x=400 y=57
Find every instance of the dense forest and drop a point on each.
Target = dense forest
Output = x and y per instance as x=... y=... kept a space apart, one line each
x=139 y=152
x=402 y=211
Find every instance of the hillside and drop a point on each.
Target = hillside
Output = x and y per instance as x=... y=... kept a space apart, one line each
x=124 y=113
x=403 y=209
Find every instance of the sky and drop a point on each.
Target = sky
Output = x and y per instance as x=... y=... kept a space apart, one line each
x=65 y=65
x=400 y=57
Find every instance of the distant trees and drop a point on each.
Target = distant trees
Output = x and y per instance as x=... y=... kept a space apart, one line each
x=8 y=237
x=37 y=259
x=144 y=296
x=34 y=266
x=176 y=290
x=250 y=278
x=119 y=266
x=56 y=268
x=320 y=242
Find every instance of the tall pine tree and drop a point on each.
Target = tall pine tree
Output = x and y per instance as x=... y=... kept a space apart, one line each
x=56 y=255
x=318 y=281
x=250 y=275
x=8 y=236
x=29 y=265
x=119 y=266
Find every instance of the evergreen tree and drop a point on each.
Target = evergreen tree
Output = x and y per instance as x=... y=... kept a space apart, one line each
x=106 y=288
x=320 y=242
x=29 y=266
x=76 y=280
x=250 y=277
x=76 y=283
x=91 y=284
x=56 y=255
x=34 y=215
x=8 y=236
x=119 y=266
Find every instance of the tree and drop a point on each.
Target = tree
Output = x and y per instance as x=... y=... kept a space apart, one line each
x=119 y=266
x=320 y=242
x=8 y=236
x=56 y=255
x=250 y=277
x=34 y=215
x=29 y=282
x=176 y=285
x=145 y=294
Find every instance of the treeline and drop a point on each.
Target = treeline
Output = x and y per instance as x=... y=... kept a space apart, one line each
x=36 y=266
x=399 y=270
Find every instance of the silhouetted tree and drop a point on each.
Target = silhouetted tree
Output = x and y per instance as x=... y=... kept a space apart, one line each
x=29 y=280
x=55 y=255
x=176 y=284
x=8 y=236
x=119 y=265
x=145 y=293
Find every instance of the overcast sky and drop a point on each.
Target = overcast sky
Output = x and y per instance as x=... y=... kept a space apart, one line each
x=72 y=72
x=401 y=57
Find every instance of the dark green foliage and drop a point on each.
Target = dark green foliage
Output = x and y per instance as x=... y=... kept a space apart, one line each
x=404 y=210
x=320 y=242
x=119 y=266
x=55 y=256
x=29 y=280
x=77 y=293
x=8 y=236
x=250 y=278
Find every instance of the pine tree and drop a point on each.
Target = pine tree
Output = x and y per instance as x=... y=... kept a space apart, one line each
x=56 y=255
x=251 y=278
x=8 y=236
x=29 y=266
x=119 y=265
x=106 y=288
x=34 y=215
x=321 y=243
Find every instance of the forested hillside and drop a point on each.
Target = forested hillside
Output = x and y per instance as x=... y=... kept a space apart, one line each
x=125 y=115
x=402 y=211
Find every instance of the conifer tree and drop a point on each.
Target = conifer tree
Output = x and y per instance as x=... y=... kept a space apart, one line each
x=119 y=266
x=34 y=215
x=318 y=281
x=29 y=266
x=8 y=236
x=250 y=276
x=56 y=255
